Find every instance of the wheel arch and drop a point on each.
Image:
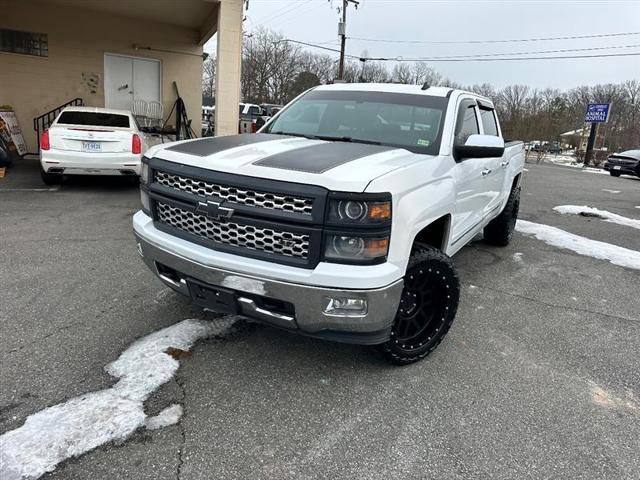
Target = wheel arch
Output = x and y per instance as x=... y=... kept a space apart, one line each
x=435 y=233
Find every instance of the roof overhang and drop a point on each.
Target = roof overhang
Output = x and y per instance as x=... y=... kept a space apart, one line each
x=198 y=15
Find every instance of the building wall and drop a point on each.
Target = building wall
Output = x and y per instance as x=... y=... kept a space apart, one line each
x=78 y=40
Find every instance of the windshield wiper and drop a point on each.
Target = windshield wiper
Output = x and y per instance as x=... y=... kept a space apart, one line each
x=291 y=134
x=327 y=138
x=346 y=139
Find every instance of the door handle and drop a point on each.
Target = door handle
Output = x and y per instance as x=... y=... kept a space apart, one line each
x=486 y=172
x=505 y=163
x=123 y=87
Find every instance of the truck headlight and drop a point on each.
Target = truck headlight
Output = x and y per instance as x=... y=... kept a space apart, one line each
x=146 y=203
x=356 y=249
x=359 y=209
x=144 y=171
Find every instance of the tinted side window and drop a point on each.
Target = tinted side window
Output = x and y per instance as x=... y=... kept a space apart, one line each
x=467 y=124
x=489 y=122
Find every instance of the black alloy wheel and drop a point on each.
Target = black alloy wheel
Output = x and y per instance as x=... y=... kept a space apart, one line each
x=427 y=307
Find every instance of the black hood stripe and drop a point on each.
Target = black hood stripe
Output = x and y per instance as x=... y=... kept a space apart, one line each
x=322 y=157
x=210 y=145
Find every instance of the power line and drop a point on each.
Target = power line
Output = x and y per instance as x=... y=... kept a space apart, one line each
x=289 y=19
x=296 y=6
x=481 y=57
x=563 y=50
x=601 y=55
x=319 y=47
x=539 y=39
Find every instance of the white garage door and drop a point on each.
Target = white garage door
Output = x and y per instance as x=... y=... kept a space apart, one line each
x=130 y=78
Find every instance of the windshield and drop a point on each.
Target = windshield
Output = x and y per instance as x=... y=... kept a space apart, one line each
x=629 y=154
x=94 y=119
x=408 y=121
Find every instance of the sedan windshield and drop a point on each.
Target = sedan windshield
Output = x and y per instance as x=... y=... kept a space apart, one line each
x=413 y=122
x=635 y=154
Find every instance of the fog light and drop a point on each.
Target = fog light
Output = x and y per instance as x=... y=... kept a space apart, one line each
x=346 y=307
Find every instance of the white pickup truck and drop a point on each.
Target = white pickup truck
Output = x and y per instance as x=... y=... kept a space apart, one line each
x=339 y=218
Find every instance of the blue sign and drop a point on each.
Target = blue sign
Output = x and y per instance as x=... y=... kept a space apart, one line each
x=597 y=113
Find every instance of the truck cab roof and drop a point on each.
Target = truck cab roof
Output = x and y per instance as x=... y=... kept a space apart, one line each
x=402 y=88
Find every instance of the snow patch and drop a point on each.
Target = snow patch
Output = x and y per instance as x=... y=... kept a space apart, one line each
x=244 y=284
x=517 y=257
x=168 y=416
x=594 y=170
x=581 y=245
x=83 y=423
x=610 y=191
x=603 y=214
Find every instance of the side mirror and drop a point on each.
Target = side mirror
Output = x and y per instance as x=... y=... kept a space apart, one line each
x=479 y=146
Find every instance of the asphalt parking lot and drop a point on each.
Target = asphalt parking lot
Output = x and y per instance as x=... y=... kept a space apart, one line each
x=539 y=376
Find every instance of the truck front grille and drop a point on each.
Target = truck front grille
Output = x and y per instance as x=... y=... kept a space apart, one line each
x=268 y=240
x=255 y=198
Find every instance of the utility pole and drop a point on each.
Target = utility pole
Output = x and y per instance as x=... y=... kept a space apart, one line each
x=342 y=31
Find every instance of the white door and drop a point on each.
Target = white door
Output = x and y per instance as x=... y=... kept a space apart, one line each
x=496 y=178
x=118 y=81
x=471 y=174
x=130 y=78
x=146 y=79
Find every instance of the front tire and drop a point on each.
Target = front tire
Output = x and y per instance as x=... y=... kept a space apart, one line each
x=500 y=230
x=427 y=307
x=50 y=178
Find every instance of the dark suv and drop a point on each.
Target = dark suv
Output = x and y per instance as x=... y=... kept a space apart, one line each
x=624 y=162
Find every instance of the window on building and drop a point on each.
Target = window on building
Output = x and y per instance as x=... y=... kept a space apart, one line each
x=25 y=43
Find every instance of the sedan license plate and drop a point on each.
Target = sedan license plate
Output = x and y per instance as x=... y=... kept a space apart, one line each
x=91 y=146
x=617 y=167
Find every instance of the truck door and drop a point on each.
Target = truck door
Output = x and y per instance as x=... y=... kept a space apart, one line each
x=472 y=199
x=495 y=180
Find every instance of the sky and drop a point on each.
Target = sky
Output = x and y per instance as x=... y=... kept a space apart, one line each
x=315 y=21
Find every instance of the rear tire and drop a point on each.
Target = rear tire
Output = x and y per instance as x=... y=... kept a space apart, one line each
x=614 y=174
x=500 y=230
x=50 y=178
x=427 y=307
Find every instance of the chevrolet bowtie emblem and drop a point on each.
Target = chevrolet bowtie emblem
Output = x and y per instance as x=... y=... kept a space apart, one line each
x=214 y=210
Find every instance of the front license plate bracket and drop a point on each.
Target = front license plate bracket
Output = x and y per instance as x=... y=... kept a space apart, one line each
x=214 y=298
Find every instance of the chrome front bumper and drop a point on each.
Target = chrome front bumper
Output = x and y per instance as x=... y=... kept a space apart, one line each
x=309 y=302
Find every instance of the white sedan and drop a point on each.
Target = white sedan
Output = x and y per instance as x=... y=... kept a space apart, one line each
x=92 y=141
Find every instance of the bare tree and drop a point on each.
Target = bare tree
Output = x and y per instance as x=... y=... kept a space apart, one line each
x=402 y=73
x=209 y=76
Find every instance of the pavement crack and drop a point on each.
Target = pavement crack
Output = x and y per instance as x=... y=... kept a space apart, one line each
x=556 y=305
x=183 y=435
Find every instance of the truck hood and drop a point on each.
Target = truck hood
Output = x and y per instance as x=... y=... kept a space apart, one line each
x=339 y=166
